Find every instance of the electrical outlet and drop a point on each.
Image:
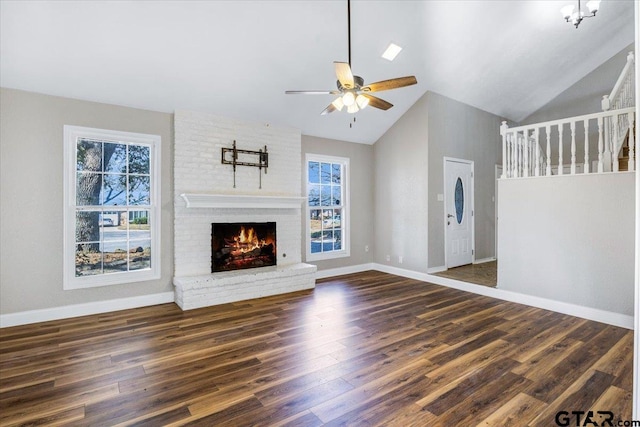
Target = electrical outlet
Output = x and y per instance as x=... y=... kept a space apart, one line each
x=400 y=259
x=388 y=257
x=366 y=248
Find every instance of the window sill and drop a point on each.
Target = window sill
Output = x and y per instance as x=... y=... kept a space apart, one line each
x=84 y=282
x=327 y=255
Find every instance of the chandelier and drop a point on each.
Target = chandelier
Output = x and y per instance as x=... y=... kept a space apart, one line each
x=576 y=16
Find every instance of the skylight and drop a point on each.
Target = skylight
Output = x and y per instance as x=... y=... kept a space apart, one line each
x=392 y=51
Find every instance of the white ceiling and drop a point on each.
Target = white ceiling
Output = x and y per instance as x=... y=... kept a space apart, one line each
x=236 y=58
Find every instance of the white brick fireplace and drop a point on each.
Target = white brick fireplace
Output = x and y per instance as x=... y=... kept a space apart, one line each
x=204 y=194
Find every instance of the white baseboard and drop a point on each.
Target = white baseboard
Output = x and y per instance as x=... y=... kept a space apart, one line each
x=615 y=319
x=65 y=312
x=434 y=270
x=55 y=313
x=401 y=272
x=340 y=271
x=483 y=260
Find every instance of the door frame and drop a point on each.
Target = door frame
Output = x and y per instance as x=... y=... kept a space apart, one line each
x=495 y=213
x=472 y=199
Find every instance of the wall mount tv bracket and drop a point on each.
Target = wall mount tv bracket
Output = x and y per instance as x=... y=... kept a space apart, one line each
x=262 y=162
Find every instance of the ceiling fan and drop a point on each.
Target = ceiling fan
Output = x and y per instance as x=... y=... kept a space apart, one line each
x=352 y=91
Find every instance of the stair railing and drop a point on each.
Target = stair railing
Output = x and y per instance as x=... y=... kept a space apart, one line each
x=622 y=96
x=522 y=147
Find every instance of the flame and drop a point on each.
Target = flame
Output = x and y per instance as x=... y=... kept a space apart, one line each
x=247 y=240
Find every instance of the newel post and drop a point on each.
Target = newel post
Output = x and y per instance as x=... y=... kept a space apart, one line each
x=503 y=132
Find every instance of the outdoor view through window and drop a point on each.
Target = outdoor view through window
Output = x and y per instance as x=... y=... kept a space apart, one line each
x=112 y=198
x=326 y=207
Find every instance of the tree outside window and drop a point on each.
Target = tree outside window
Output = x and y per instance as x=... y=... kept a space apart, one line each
x=326 y=207
x=111 y=208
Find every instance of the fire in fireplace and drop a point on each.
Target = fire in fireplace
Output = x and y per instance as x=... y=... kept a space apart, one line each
x=240 y=245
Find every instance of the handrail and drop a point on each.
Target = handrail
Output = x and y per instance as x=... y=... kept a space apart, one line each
x=571 y=119
x=524 y=156
x=622 y=77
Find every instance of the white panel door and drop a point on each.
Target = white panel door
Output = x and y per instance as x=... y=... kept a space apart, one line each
x=458 y=199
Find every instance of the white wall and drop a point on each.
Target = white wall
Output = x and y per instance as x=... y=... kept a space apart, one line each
x=199 y=138
x=31 y=186
x=569 y=239
x=361 y=185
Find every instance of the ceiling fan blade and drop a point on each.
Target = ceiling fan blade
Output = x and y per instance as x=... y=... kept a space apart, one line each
x=330 y=109
x=312 y=92
x=377 y=102
x=344 y=74
x=390 y=84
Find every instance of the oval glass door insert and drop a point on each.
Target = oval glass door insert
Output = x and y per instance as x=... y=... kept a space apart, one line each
x=459 y=200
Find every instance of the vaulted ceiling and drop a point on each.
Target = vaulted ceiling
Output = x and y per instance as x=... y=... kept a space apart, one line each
x=237 y=58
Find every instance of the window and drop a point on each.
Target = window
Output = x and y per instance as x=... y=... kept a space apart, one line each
x=327 y=207
x=111 y=207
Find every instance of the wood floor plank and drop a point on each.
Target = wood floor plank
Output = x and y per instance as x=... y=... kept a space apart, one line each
x=361 y=349
x=517 y=412
x=614 y=400
x=469 y=386
x=360 y=397
x=580 y=395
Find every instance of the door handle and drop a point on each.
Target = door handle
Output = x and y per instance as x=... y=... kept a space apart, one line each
x=449 y=216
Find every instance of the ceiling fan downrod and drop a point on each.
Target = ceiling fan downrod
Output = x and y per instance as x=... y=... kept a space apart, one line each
x=349 y=28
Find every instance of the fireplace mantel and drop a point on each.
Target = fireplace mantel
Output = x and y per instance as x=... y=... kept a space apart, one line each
x=231 y=201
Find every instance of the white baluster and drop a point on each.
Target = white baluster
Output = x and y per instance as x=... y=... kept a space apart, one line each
x=614 y=144
x=607 y=144
x=600 y=147
x=526 y=153
x=632 y=156
x=560 y=129
x=548 y=150
x=536 y=134
x=509 y=156
x=573 y=148
x=518 y=156
x=514 y=155
x=503 y=132
x=586 y=146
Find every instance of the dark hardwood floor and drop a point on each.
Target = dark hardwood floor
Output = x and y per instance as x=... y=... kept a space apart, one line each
x=363 y=349
x=485 y=274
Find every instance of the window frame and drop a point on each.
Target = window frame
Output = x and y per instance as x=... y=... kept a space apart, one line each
x=345 y=208
x=71 y=136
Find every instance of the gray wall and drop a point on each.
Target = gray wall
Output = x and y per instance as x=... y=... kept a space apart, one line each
x=401 y=197
x=31 y=188
x=409 y=176
x=361 y=182
x=464 y=132
x=584 y=97
x=569 y=239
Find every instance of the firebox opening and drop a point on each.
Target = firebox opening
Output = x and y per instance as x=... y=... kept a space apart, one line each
x=240 y=245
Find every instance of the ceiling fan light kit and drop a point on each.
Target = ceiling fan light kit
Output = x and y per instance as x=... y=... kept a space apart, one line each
x=352 y=91
x=576 y=16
